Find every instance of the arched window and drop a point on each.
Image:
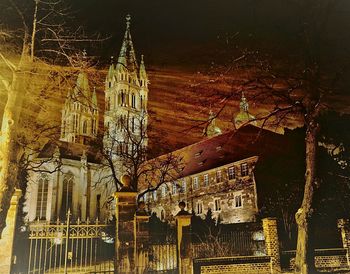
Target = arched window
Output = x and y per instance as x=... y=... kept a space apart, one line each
x=133 y=101
x=85 y=127
x=108 y=103
x=41 y=202
x=67 y=195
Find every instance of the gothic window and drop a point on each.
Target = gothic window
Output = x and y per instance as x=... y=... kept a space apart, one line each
x=141 y=101
x=85 y=127
x=122 y=98
x=206 y=180
x=217 y=205
x=195 y=183
x=109 y=84
x=244 y=169
x=93 y=126
x=219 y=176
x=199 y=207
x=238 y=200
x=67 y=195
x=41 y=202
x=133 y=100
x=98 y=206
x=231 y=173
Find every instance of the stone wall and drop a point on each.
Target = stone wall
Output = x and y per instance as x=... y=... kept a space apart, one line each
x=248 y=265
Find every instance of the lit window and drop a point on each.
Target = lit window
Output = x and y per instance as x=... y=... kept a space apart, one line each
x=163 y=191
x=244 y=169
x=238 y=201
x=155 y=195
x=41 y=202
x=217 y=205
x=184 y=186
x=145 y=197
x=231 y=173
x=199 y=207
x=174 y=188
x=218 y=176
x=206 y=179
x=195 y=182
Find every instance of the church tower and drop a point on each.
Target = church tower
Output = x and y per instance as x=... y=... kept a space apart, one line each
x=244 y=116
x=79 y=122
x=126 y=96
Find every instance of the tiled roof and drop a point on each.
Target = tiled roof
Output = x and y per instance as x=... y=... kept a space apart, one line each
x=226 y=148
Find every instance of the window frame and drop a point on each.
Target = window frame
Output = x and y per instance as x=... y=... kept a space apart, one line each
x=231 y=176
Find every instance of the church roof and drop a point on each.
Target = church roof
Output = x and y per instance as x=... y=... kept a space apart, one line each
x=235 y=145
x=72 y=151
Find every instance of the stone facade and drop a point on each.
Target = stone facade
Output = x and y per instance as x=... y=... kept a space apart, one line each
x=229 y=191
x=72 y=172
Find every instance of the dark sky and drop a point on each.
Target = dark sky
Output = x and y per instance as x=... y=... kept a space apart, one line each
x=189 y=33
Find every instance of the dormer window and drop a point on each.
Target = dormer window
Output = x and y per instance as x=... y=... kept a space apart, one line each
x=198 y=154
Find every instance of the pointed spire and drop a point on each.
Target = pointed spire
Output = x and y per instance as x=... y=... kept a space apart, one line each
x=244 y=117
x=127 y=56
x=94 y=97
x=143 y=74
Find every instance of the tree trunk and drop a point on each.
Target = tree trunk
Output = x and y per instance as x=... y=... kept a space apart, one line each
x=8 y=145
x=304 y=261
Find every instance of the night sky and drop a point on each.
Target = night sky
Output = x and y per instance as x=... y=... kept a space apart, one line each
x=197 y=33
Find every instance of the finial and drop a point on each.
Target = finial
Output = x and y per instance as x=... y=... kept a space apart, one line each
x=141 y=58
x=112 y=59
x=244 y=106
x=128 y=19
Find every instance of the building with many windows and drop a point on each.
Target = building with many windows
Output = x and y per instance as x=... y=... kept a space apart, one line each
x=218 y=174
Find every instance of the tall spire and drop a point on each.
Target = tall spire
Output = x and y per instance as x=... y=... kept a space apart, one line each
x=127 y=56
x=143 y=74
x=211 y=129
x=244 y=117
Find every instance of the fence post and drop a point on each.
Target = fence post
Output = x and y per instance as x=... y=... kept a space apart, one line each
x=7 y=236
x=141 y=238
x=125 y=210
x=272 y=243
x=343 y=225
x=183 y=219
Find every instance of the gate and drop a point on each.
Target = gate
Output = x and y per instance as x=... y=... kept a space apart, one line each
x=70 y=248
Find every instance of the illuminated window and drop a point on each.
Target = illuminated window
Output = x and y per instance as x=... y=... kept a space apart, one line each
x=217 y=205
x=199 y=207
x=206 y=179
x=174 y=188
x=195 y=183
x=231 y=173
x=238 y=200
x=41 y=202
x=163 y=191
x=244 y=169
x=155 y=195
x=184 y=186
x=219 y=176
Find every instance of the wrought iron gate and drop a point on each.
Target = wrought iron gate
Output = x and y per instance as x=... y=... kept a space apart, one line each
x=70 y=248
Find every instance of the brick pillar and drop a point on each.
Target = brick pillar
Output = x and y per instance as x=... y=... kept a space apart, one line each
x=141 y=238
x=183 y=221
x=272 y=243
x=7 y=236
x=125 y=228
x=344 y=226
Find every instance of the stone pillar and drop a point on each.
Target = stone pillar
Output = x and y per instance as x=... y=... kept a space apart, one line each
x=183 y=222
x=125 y=228
x=141 y=238
x=272 y=243
x=344 y=226
x=7 y=236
